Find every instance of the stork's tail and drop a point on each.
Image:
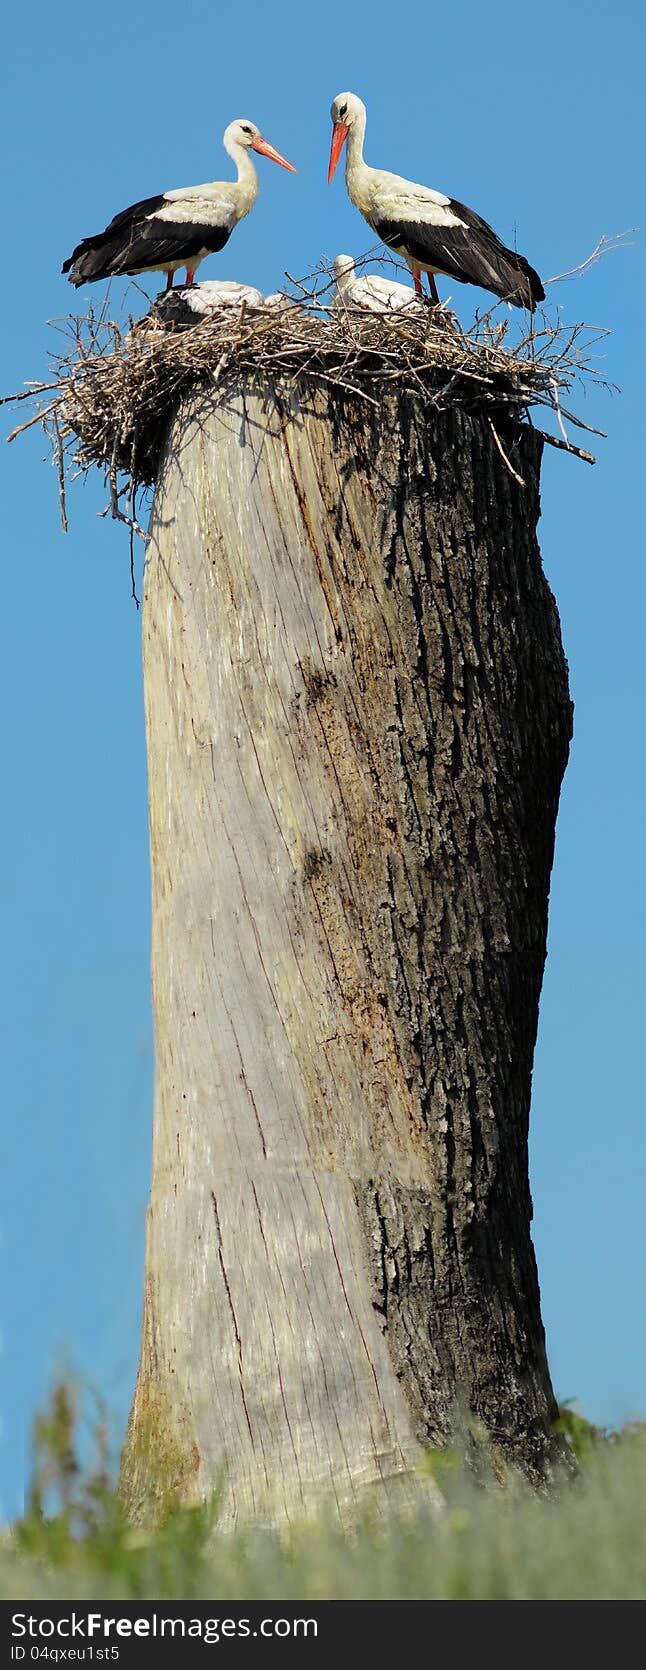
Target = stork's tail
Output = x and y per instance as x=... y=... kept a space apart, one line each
x=519 y=283
x=88 y=262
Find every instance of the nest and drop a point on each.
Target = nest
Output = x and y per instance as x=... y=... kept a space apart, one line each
x=115 y=390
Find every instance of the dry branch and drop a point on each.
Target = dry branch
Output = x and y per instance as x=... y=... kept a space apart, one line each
x=606 y=245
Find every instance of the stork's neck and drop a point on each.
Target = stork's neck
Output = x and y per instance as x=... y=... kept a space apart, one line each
x=345 y=278
x=354 y=163
x=247 y=176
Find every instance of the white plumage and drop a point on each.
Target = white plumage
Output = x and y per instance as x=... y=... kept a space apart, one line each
x=187 y=305
x=369 y=291
x=279 y=302
x=215 y=293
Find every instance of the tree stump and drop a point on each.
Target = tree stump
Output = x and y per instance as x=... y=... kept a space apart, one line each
x=358 y=721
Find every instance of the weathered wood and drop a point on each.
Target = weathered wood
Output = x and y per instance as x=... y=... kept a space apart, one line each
x=358 y=720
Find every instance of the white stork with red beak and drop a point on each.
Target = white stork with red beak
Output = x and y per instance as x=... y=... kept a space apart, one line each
x=434 y=233
x=178 y=228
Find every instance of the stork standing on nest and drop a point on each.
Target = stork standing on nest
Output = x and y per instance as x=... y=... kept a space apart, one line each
x=178 y=228
x=434 y=233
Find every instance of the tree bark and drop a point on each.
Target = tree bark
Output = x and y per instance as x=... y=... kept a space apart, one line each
x=358 y=720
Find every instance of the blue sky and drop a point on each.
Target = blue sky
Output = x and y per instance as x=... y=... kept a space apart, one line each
x=534 y=120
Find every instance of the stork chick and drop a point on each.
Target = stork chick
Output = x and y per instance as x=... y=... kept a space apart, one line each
x=369 y=291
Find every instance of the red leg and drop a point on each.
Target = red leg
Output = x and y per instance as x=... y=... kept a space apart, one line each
x=169 y=281
x=418 y=282
x=432 y=287
x=190 y=278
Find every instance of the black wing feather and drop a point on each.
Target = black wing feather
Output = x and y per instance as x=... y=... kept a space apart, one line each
x=472 y=254
x=136 y=212
x=127 y=217
x=133 y=242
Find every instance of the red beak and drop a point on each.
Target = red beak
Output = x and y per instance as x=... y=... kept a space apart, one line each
x=339 y=136
x=267 y=150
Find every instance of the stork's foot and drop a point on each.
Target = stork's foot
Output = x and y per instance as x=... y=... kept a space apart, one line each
x=169 y=282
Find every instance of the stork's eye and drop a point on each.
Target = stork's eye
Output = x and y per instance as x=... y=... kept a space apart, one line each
x=246 y=128
x=343 y=110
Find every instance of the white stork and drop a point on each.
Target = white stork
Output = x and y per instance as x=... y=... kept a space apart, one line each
x=371 y=292
x=178 y=228
x=434 y=233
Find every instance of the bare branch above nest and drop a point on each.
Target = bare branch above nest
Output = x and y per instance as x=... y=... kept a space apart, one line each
x=605 y=246
x=114 y=390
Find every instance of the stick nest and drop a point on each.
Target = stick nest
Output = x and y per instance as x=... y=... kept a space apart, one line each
x=114 y=390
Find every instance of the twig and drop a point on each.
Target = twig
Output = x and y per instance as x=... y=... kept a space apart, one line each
x=557 y=408
x=589 y=428
x=38 y=417
x=133 y=583
x=60 y=464
x=503 y=455
x=132 y=478
x=566 y=446
x=27 y=394
x=604 y=247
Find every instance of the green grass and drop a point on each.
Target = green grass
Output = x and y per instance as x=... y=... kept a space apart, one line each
x=584 y=1539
